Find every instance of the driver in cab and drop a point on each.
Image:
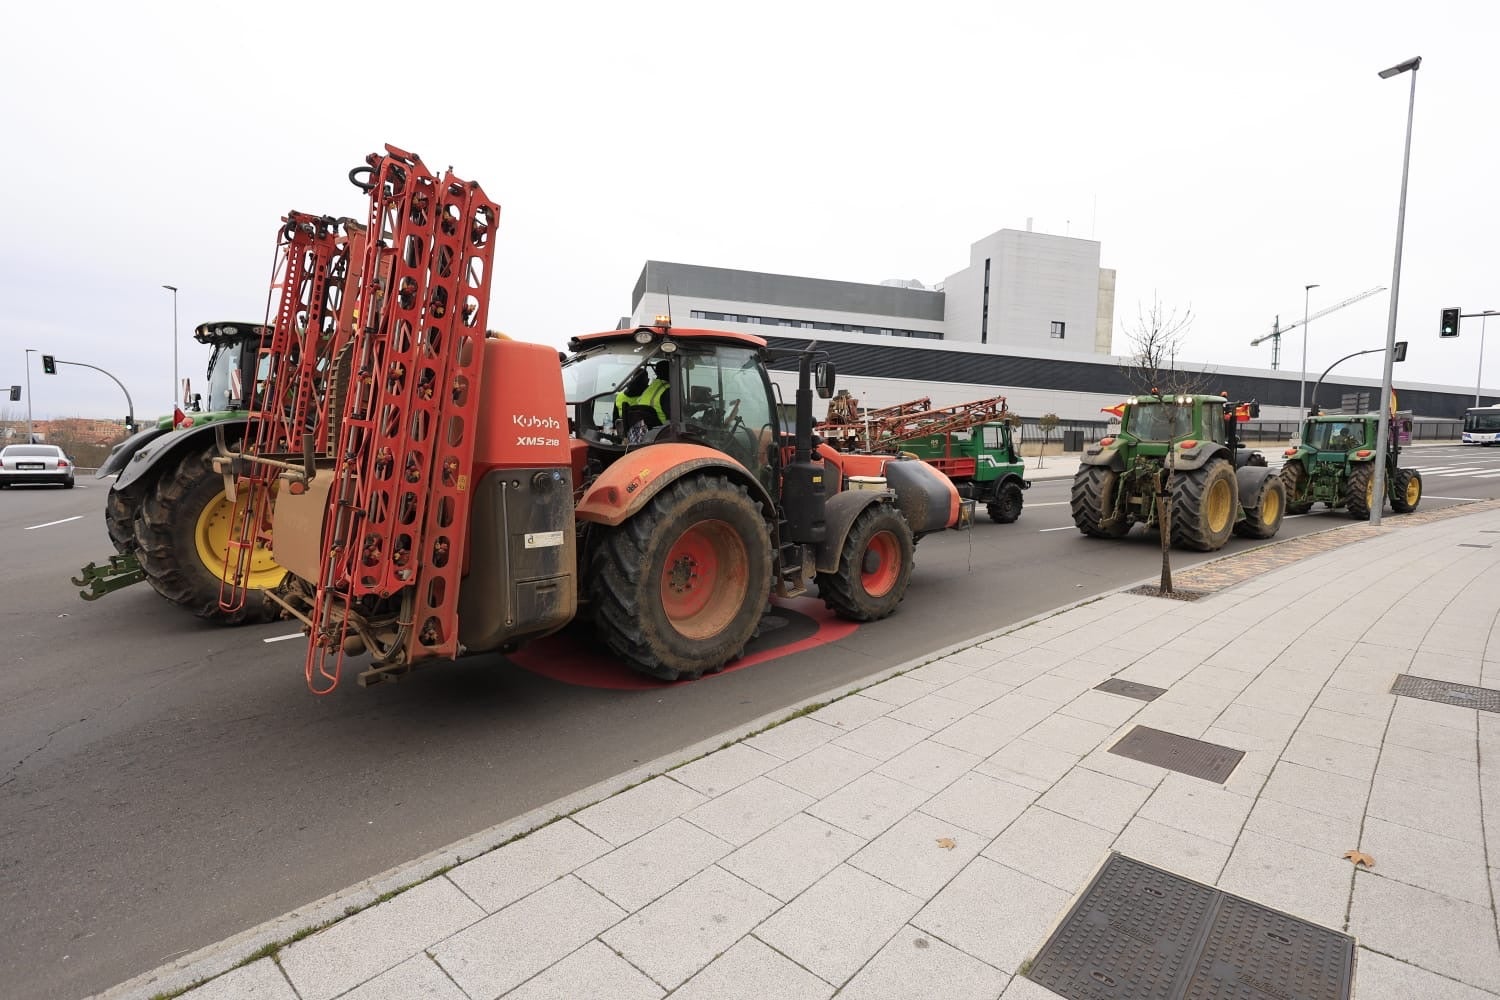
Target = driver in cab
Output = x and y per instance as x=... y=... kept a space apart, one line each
x=642 y=404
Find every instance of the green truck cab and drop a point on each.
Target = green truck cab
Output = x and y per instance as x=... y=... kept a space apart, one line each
x=983 y=463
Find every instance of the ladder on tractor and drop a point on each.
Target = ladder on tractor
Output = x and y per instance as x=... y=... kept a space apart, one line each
x=396 y=400
x=889 y=427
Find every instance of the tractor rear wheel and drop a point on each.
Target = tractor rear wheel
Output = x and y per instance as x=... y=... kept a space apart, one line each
x=1263 y=517
x=1408 y=491
x=677 y=590
x=1092 y=500
x=182 y=531
x=874 y=566
x=1294 y=478
x=1204 y=503
x=1006 y=506
x=1359 y=491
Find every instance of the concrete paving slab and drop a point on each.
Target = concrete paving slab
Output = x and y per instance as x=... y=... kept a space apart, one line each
x=1434 y=932
x=823 y=771
x=1315 y=831
x=621 y=818
x=752 y=971
x=792 y=739
x=1097 y=799
x=980 y=803
x=1353 y=760
x=1380 y=977
x=929 y=766
x=1135 y=771
x=1375 y=706
x=840 y=923
x=883 y=738
x=1421 y=767
x=725 y=769
x=915 y=964
x=1198 y=807
x=1319 y=791
x=941 y=673
x=358 y=949
x=1031 y=765
x=1449 y=741
x=1053 y=688
x=993 y=913
x=869 y=805
x=417 y=978
x=1255 y=721
x=653 y=865
x=260 y=980
x=591 y=971
x=1431 y=713
x=1021 y=988
x=739 y=816
x=931 y=713
x=1427 y=807
x=1106 y=709
x=980 y=735
x=1174 y=850
x=1188 y=692
x=1284 y=876
x=900 y=690
x=793 y=856
x=684 y=930
x=499 y=878
x=1074 y=736
x=973 y=691
x=1017 y=710
x=912 y=854
x=851 y=712
x=507 y=948
x=1052 y=848
x=1427 y=860
x=1220 y=677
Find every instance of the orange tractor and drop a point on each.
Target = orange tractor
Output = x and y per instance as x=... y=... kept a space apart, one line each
x=434 y=490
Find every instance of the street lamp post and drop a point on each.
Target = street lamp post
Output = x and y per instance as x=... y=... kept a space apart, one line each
x=1302 y=385
x=175 y=384
x=1382 y=437
x=29 y=352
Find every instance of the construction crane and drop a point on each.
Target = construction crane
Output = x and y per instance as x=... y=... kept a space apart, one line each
x=1277 y=329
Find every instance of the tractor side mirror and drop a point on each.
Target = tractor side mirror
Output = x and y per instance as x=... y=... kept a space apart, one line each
x=825 y=375
x=197 y=402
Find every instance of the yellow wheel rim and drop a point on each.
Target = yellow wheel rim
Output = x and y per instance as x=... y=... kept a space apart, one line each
x=1370 y=492
x=1270 y=507
x=211 y=537
x=1413 y=491
x=1219 y=503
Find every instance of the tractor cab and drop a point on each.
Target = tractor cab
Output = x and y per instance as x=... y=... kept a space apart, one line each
x=231 y=367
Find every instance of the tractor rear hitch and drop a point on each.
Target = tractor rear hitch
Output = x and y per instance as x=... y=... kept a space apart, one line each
x=122 y=571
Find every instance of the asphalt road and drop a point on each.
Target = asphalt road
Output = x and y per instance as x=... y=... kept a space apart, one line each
x=165 y=784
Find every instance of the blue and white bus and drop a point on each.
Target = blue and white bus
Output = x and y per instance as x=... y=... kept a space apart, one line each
x=1482 y=425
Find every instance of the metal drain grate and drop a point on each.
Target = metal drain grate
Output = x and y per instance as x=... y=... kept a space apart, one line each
x=1131 y=689
x=1446 y=692
x=1141 y=933
x=1208 y=761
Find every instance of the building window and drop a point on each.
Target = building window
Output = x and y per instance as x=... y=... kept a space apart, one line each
x=1059 y=329
x=698 y=314
x=732 y=318
x=984 y=315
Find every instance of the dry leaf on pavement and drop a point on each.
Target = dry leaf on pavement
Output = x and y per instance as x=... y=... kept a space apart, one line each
x=1360 y=858
x=947 y=843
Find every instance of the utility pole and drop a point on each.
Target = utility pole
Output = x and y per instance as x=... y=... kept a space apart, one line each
x=1302 y=384
x=29 y=352
x=176 y=385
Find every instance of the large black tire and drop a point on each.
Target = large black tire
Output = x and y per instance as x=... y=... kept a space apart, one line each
x=1263 y=516
x=1294 y=478
x=1204 y=503
x=166 y=526
x=1359 y=491
x=1006 y=506
x=1408 y=491
x=874 y=566
x=650 y=603
x=120 y=511
x=1093 y=494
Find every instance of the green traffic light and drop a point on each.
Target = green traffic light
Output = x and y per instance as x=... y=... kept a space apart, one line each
x=49 y=364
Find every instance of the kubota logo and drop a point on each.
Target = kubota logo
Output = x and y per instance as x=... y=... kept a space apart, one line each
x=539 y=423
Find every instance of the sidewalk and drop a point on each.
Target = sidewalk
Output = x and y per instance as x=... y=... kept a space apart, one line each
x=924 y=836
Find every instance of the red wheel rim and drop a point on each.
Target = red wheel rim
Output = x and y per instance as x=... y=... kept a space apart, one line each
x=881 y=567
x=704 y=579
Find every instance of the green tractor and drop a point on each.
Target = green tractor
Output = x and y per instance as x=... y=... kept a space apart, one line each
x=167 y=512
x=1335 y=463
x=983 y=463
x=1183 y=448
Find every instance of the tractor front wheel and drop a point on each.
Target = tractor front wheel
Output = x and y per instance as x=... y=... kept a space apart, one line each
x=874 y=566
x=182 y=532
x=1294 y=478
x=1093 y=500
x=677 y=590
x=1204 y=503
x=1408 y=491
x=1006 y=506
x=1359 y=491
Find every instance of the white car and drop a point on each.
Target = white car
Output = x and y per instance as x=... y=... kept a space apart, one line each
x=35 y=463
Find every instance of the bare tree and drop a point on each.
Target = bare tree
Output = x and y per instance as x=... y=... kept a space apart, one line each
x=1047 y=423
x=1156 y=338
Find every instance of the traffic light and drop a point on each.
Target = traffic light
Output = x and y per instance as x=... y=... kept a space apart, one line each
x=1449 y=325
x=1400 y=350
x=15 y=394
x=49 y=364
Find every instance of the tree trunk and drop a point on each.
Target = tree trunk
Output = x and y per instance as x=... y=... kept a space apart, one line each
x=1164 y=519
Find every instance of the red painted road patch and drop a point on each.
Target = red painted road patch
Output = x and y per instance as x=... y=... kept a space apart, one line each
x=571 y=657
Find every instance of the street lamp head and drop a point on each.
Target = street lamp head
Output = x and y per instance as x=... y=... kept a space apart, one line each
x=170 y=288
x=1308 y=288
x=1400 y=68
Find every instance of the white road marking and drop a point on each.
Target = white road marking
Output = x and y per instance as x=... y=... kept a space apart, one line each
x=1066 y=527
x=1050 y=503
x=1429 y=496
x=283 y=638
x=75 y=517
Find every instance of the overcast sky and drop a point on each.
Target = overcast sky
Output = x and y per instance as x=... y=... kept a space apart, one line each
x=1235 y=153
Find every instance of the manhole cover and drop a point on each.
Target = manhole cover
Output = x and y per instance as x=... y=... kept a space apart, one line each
x=1208 y=761
x=1472 y=545
x=1130 y=689
x=1446 y=692
x=1141 y=933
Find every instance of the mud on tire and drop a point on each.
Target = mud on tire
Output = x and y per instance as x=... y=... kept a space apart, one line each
x=1294 y=478
x=1006 y=506
x=678 y=589
x=121 y=507
x=1093 y=493
x=874 y=566
x=165 y=528
x=1204 y=504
